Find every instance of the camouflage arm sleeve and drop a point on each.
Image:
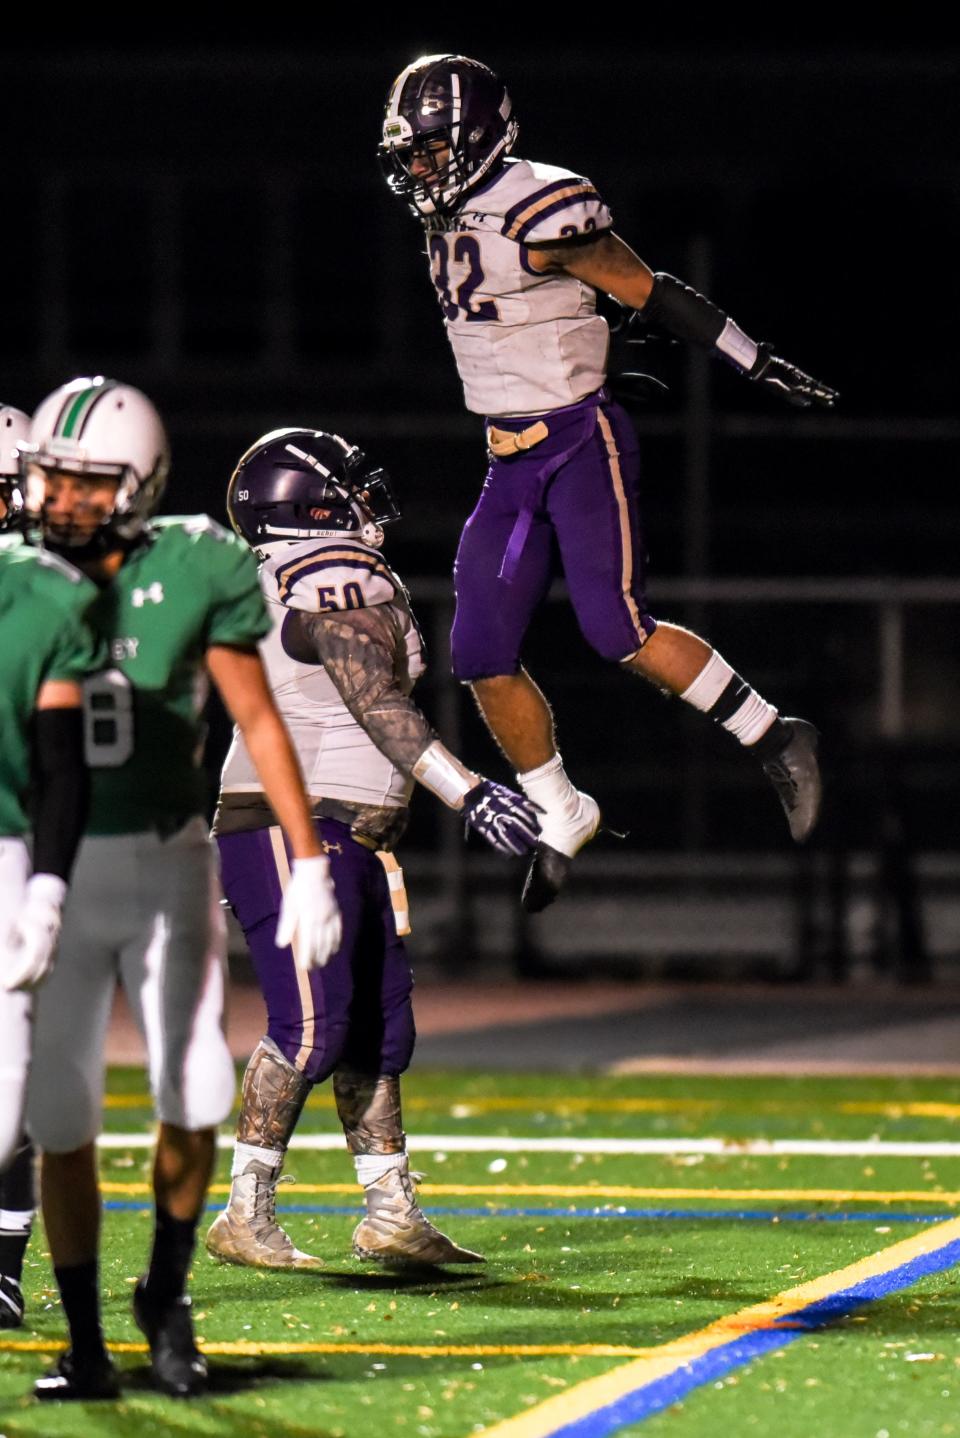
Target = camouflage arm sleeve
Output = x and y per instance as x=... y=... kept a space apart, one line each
x=359 y=650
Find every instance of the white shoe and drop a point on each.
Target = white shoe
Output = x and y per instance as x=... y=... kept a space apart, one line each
x=247 y=1232
x=395 y=1231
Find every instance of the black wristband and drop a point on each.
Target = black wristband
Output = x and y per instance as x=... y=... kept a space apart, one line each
x=683 y=312
x=61 y=790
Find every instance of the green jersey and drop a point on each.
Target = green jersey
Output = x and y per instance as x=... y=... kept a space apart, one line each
x=43 y=635
x=190 y=584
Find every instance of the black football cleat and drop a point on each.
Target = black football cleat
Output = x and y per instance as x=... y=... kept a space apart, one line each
x=550 y=864
x=546 y=876
x=795 y=775
x=79 y=1379
x=11 y=1302
x=178 y=1367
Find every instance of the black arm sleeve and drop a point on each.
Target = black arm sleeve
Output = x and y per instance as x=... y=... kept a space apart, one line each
x=61 y=790
x=683 y=312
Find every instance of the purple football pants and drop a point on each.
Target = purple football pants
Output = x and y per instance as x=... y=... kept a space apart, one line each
x=581 y=485
x=357 y=1010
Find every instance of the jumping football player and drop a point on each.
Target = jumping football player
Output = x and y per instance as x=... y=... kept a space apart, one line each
x=178 y=601
x=342 y=657
x=46 y=648
x=518 y=251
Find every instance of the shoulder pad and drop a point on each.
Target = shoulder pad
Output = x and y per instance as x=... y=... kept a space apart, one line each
x=193 y=525
x=554 y=204
x=62 y=566
x=334 y=575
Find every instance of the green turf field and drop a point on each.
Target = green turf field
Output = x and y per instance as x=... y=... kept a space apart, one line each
x=605 y=1269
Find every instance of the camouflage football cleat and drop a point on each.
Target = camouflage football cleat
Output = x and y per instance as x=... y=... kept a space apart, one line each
x=395 y=1231
x=795 y=775
x=247 y=1232
x=559 y=842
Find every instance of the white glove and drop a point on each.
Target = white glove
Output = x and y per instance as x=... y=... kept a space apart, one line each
x=30 y=942
x=309 y=915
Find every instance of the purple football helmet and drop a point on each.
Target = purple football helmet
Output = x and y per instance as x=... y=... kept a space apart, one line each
x=298 y=484
x=448 y=124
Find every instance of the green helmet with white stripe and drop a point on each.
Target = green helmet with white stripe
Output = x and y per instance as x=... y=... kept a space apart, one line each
x=99 y=428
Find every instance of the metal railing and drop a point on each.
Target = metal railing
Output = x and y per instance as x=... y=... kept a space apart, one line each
x=879 y=608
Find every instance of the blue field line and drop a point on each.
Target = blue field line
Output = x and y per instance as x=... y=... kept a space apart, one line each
x=663 y=1392
x=741 y=1215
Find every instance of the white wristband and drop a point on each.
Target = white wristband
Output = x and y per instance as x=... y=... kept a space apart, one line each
x=442 y=773
x=48 y=888
x=737 y=346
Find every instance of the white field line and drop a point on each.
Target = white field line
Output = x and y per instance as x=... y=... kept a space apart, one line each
x=486 y=1143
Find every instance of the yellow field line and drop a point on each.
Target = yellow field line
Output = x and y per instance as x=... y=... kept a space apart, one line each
x=907 y=1110
x=562 y=1190
x=469 y=1106
x=594 y=1393
x=253 y=1349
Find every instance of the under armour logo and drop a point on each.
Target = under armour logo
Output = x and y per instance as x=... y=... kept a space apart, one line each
x=329 y=848
x=153 y=594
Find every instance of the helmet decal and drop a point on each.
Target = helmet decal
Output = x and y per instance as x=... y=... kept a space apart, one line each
x=76 y=409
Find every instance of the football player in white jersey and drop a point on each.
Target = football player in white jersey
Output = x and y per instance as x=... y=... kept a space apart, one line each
x=518 y=251
x=342 y=656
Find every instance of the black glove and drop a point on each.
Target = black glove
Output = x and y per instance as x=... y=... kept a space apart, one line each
x=632 y=348
x=790 y=383
x=506 y=820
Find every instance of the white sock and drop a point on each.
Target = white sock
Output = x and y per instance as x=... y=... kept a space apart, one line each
x=752 y=719
x=246 y=1153
x=549 y=788
x=719 y=692
x=372 y=1166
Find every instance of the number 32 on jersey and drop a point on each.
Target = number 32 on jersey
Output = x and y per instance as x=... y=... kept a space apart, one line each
x=458 y=274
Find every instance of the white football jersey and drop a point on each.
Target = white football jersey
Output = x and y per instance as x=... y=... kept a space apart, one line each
x=338 y=758
x=524 y=342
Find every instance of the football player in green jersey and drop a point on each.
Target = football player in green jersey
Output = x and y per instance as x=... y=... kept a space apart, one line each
x=46 y=648
x=179 y=601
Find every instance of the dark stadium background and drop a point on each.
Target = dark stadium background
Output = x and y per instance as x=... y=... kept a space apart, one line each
x=201 y=213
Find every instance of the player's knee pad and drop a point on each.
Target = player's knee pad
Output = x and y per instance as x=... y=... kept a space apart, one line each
x=63 y=1109
x=385 y=1047
x=312 y=1048
x=197 y=1093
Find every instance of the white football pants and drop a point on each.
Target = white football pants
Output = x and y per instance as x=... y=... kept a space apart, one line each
x=14 y=1008
x=144 y=910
